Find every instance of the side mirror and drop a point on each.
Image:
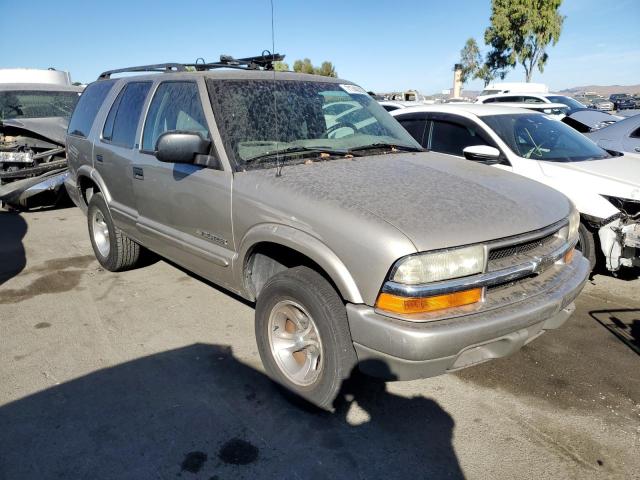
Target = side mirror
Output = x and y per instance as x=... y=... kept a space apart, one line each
x=181 y=147
x=482 y=153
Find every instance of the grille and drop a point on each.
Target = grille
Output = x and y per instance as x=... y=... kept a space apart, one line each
x=520 y=249
x=516 y=254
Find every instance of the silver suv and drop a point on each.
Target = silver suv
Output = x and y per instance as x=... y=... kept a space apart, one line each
x=301 y=193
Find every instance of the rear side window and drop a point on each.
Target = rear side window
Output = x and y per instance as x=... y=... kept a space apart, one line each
x=635 y=133
x=416 y=127
x=122 y=121
x=505 y=99
x=88 y=106
x=175 y=106
x=107 y=131
x=452 y=138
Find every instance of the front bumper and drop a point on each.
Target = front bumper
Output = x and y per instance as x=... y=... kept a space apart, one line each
x=403 y=350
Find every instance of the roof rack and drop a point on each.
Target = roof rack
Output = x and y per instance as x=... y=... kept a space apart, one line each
x=260 y=62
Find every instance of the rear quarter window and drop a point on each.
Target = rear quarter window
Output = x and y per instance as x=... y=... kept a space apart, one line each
x=87 y=108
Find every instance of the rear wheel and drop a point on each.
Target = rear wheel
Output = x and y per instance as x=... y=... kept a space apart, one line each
x=587 y=244
x=113 y=249
x=303 y=335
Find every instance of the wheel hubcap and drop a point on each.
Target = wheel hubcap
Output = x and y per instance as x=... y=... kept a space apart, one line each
x=295 y=343
x=100 y=233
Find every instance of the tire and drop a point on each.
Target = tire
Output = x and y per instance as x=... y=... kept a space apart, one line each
x=587 y=244
x=302 y=290
x=113 y=249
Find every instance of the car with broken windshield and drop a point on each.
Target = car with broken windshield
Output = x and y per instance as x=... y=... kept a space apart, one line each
x=33 y=124
x=359 y=249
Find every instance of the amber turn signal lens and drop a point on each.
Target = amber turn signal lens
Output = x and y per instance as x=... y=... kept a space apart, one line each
x=405 y=305
x=568 y=257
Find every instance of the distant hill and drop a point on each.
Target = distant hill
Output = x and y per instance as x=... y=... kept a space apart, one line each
x=604 y=90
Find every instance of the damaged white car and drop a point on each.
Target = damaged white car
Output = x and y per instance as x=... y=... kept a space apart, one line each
x=604 y=185
x=33 y=125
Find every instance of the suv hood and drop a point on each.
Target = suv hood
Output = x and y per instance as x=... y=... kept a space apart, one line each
x=617 y=176
x=436 y=201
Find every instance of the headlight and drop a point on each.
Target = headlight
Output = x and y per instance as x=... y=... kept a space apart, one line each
x=574 y=224
x=436 y=266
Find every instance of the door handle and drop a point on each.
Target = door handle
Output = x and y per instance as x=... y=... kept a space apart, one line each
x=99 y=158
x=138 y=173
x=637 y=149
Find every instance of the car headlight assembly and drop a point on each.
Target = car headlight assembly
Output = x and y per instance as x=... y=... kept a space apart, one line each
x=574 y=225
x=438 y=266
x=430 y=267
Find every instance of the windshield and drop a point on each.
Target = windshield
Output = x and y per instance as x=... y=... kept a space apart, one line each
x=310 y=117
x=36 y=104
x=568 y=101
x=538 y=137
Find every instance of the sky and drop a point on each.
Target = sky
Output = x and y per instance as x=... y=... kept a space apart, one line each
x=383 y=46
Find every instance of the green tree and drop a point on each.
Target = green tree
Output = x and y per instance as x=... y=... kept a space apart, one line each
x=281 y=66
x=487 y=75
x=305 y=66
x=326 y=69
x=520 y=32
x=470 y=60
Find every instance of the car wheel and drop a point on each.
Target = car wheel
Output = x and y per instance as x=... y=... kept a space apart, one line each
x=113 y=249
x=303 y=335
x=586 y=244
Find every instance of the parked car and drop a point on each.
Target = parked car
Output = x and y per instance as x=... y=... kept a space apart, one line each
x=390 y=105
x=622 y=101
x=622 y=136
x=349 y=239
x=33 y=123
x=587 y=98
x=535 y=98
x=601 y=104
x=512 y=88
x=605 y=186
x=557 y=111
x=590 y=120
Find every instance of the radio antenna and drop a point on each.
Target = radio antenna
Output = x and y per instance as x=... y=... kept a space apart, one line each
x=275 y=105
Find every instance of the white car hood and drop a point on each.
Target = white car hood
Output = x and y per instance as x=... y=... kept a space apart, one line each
x=617 y=177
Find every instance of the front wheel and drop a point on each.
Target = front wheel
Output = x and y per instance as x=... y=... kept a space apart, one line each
x=303 y=335
x=113 y=249
x=587 y=244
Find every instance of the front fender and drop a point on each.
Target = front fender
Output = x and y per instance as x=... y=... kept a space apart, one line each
x=306 y=245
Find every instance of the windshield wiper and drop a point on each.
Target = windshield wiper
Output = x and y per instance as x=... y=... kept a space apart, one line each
x=393 y=146
x=297 y=149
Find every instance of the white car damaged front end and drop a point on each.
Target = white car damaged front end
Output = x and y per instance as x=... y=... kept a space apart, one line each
x=607 y=194
x=620 y=235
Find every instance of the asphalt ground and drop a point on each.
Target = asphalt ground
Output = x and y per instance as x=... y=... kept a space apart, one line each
x=154 y=373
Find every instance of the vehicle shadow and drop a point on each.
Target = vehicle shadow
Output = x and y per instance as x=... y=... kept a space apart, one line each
x=13 y=228
x=624 y=323
x=198 y=412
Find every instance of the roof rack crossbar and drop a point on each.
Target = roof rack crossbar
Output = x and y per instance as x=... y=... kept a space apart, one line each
x=264 y=62
x=159 y=67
